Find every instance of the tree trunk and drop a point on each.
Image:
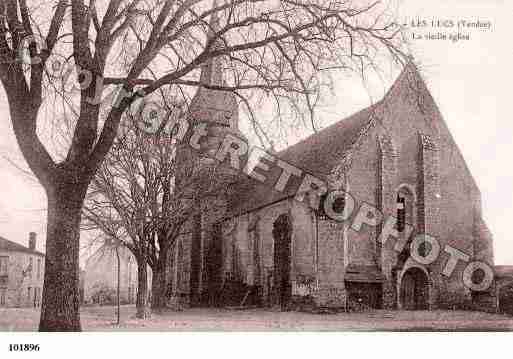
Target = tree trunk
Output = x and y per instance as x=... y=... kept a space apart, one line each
x=142 y=290
x=60 y=309
x=156 y=291
x=159 y=281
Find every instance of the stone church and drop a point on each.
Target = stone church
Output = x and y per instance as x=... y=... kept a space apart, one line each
x=256 y=244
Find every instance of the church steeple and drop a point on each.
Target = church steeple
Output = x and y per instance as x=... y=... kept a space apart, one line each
x=219 y=110
x=215 y=106
x=212 y=70
x=212 y=73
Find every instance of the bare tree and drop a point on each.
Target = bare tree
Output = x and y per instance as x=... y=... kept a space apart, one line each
x=281 y=50
x=133 y=198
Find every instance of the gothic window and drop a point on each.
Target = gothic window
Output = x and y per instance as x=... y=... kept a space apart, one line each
x=401 y=213
x=405 y=206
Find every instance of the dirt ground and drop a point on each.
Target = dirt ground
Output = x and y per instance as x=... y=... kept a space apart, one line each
x=103 y=319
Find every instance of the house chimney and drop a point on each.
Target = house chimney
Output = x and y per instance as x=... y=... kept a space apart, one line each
x=32 y=241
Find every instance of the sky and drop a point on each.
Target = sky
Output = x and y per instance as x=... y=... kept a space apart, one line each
x=469 y=79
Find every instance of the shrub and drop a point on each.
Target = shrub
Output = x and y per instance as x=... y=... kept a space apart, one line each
x=102 y=294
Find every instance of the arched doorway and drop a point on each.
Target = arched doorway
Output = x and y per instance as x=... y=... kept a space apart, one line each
x=414 y=290
x=282 y=288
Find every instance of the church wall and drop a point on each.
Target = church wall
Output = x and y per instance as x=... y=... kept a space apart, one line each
x=483 y=244
x=235 y=250
x=236 y=238
x=451 y=214
x=242 y=246
x=426 y=160
x=303 y=241
x=331 y=290
x=447 y=199
x=265 y=229
x=303 y=246
x=362 y=183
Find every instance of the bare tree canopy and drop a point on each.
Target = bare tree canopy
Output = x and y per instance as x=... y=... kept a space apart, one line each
x=278 y=50
x=133 y=199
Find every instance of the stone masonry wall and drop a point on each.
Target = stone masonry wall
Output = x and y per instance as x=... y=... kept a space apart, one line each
x=387 y=173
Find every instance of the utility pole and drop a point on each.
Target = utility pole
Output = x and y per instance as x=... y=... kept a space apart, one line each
x=119 y=281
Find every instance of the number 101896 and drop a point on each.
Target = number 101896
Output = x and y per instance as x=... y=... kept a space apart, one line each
x=23 y=347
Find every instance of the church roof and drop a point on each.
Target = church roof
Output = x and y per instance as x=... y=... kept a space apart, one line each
x=319 y=153
x=316 y=155
x=10 y=246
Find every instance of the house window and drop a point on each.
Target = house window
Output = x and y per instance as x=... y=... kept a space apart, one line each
x=3 y=295
x=39 y=269
x=4 y=263
x=30 y=267
x=29 y=293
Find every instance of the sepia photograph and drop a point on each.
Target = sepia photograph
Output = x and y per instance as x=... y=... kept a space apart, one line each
x=307 y=167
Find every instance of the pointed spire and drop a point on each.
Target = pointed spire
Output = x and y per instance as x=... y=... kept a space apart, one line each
x=211 y=73
x=215 y=106
x=214 y=21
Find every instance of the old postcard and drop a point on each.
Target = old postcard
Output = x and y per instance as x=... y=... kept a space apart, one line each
x=253 y=166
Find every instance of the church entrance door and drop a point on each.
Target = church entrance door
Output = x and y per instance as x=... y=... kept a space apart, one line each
x=414 y=290
x=282 y=233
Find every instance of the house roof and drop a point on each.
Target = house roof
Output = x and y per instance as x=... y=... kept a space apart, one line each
x=10 y=246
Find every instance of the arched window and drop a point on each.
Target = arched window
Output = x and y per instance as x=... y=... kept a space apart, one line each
x=401 y=213
x=405 y=207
